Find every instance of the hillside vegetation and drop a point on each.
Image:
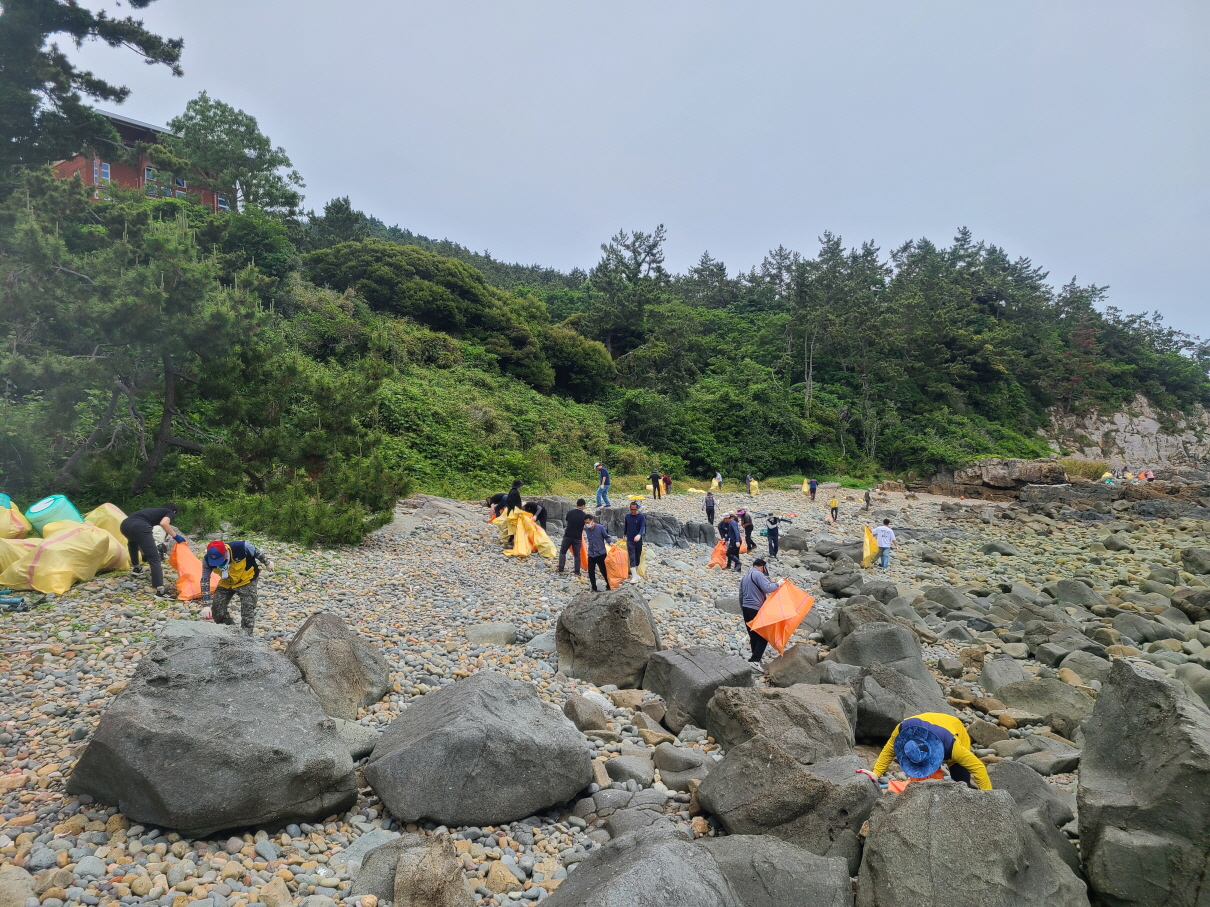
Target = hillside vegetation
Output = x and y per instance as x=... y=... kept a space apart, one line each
x=295 y=373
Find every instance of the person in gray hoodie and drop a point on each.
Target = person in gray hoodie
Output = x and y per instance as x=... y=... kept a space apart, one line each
x=599 y=541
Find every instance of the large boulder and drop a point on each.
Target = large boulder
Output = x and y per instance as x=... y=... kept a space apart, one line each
x=1031 y=791
x=767 y=872
x=607 y=637
x=760 y=788
x=887 y=644
x=16 y=886
x=344 y=670
x=650 y=868
x=792 y=666
x=1196 y=560
x=1045 y=697
x=844 y=580
x=999 y=672
x=216 y=732
x=946 y=845
x=1144 y=795
x=482 y=751
x=886 y=697
x=687 y=678
x=1073 y=592
x=414 y=871
x=811 y=721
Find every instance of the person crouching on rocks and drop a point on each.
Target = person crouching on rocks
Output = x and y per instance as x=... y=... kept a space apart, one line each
x=922 y=743
x=599 y=541
x=238 y=565
x=140 y=539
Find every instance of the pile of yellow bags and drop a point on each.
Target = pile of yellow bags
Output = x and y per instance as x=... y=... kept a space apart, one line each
x=526 y=534
x=68 y=553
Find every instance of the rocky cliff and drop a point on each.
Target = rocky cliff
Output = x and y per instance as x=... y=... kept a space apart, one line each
x=1137 y=437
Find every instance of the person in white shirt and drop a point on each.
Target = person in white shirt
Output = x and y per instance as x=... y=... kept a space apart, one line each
x=885 y=536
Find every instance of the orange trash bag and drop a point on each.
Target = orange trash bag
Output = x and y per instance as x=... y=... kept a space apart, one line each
x=718 y=557
x=617 y=565
x=743 y=547
x=781 y=614
x=900 y=786
x=189 y=572
x=583 y=552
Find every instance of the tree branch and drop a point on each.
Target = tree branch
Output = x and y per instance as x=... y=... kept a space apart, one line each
x=65 y=476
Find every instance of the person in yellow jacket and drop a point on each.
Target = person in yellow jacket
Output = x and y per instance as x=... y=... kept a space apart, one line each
x=238 y=565
x=834 y=507
x=923 y=742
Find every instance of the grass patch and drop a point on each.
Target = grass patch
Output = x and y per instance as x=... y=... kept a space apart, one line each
x=1088 y=469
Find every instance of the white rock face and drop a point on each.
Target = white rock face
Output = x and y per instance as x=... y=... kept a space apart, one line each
x=1133 y=438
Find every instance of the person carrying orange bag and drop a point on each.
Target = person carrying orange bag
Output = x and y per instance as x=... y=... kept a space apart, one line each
x=597 y=542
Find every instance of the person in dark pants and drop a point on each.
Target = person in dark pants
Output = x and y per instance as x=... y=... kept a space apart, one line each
x=710 y=507
x=754 y=588
x=656 y=483
x=667 y=483
x=512 y=500
x=812 y=485
x=238 y=566
x=729 y=530
x=773 y=530
x=573 y=532
x=636 y=528
x=140 y=540
x=538 y=511
x=745 y=521
x=598 y=546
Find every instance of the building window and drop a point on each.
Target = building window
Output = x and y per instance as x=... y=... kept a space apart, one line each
x=180 y=193
x=180 y=183
x=222 y=203
x=104 y=172
x=166 y=190
x=148 y=174
x=149 y=188
x=95 y=165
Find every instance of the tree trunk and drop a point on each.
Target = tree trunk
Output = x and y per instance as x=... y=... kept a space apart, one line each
x=165 y=438
x=64 y=476
x=809 y=368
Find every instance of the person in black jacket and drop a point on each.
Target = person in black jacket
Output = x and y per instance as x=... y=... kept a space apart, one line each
x=745 y=520
x=773 y=530
x=656 y=481
x=512 y=500
x=636 y=528
x=709 y=503
x=538 y=511
x=140 y=540
x=496 y=503
x=573 y=537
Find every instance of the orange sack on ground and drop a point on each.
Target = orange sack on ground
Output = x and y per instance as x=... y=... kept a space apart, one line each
x=718 y=557
x=189 y=572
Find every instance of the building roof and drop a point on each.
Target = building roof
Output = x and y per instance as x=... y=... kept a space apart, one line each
x=138 y=124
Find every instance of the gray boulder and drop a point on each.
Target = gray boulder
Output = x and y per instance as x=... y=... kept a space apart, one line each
x=653 y=868
x=359 y=739
x=884 y=644
x=607 y=637
x=687 y=678
x=1197 y=678
x=886 y=697
x=422 y=870
x=814 y=726
x=639 y=769
x=216 y=732
x=482 y=751
x=679 y=765
x=1196 y=560
x=914 y=837
x=843 y=580
x=760 y=788
x=1042 y=697
x=767 y=872
x=1144 y=796
x=1087 y=666
x=792 y=666
x=585 y=714
x=493 y=633
x=999 y=547
x=344 y=670
x=1030 y=791
x=1073 y=592
x=949 y=598
x=999 y=672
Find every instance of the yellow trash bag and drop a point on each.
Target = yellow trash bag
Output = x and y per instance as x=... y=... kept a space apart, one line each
x=68 y=557
x=638 y=497
x=806 y=486
x=694 y=491
x=869 y=548
x=109 y=517
x=755 y=487
x=14 y=549
x=714 y=484
x=529 y=536
x=13 y=524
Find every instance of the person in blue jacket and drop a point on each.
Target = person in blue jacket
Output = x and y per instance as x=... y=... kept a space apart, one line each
x=636 y=528
x=597 y=537
x=603 y=486
x=729 y=529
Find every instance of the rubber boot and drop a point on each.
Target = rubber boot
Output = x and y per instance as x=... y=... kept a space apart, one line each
x=634 y=576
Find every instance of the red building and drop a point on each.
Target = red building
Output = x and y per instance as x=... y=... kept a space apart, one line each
x=98 y=172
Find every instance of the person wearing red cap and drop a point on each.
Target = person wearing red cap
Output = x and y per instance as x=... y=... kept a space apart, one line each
x=238 y=564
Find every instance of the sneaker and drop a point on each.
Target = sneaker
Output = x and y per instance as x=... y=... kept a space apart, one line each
x=165 y=593
x=138 y=569
x=757 y=667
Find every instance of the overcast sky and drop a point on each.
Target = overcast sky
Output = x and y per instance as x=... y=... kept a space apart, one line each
x=1073 y=133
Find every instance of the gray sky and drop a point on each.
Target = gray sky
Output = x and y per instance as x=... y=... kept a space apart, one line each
x=1073 y=133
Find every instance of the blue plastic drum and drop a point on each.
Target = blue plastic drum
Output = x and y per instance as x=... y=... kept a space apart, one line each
x=47 y=510
x=6 y=502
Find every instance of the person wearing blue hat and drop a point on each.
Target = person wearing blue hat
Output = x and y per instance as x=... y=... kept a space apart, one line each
x=923 y=743
x=238 y=566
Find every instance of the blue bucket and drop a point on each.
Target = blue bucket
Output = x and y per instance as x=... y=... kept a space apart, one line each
x=47 y=510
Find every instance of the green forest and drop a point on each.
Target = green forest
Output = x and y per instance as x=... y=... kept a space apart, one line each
x=295 y=372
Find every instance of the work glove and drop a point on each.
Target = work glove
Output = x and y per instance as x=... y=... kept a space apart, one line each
x=207 y=614
x=178 y=538
x=869 y=774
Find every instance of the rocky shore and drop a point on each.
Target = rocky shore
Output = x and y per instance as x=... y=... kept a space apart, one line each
x=462 y=727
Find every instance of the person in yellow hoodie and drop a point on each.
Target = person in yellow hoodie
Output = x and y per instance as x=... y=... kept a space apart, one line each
x=922 y=743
